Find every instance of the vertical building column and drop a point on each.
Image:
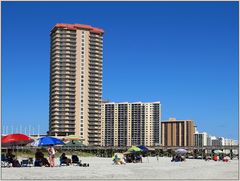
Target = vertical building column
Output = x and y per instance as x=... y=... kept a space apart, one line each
x=77 y=84
x=103 y=125
x=185 y=133
x=129 y=125
x=115 y=124
x=147 y=125
x=163 y=135
x=180 y=135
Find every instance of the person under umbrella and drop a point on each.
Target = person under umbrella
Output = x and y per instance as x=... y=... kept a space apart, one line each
x=14 y=140
x=51 y=155
x=49 y=141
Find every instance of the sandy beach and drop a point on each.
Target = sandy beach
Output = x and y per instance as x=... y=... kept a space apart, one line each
x=151 y=168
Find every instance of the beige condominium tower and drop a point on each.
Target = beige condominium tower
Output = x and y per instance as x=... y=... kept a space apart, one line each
x=127 y=124
x=76 y=82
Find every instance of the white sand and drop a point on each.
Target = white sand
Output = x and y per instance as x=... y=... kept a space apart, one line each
x=102 y=168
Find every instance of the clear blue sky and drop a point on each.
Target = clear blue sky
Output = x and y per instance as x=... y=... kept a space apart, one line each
x=184 y=54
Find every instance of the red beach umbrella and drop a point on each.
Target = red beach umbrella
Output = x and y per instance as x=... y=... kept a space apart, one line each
x=15 y=140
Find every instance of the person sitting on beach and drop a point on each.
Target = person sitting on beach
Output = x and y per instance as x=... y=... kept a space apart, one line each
x=12 y=159
x=10 y=156
x=64 y=159
x=225 y=159
x=40 y=160
x=215 y=158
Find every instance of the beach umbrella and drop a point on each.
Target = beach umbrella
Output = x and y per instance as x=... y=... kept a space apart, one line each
x=217 y=151
x=127 y=152
x=46 y=141
x=181 y=151
x=71 y=137
x=15 y=140
x=134 y=149
x=74 y=143
x=143 y=148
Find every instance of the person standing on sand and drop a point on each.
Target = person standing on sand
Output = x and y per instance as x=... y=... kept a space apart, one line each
x=51 y=155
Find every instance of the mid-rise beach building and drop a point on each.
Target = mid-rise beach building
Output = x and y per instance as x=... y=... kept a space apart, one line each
x=127 y=124
x=177 y=132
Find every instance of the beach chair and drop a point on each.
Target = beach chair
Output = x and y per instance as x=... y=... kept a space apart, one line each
x=76 y=161
x=4 y=161
x=27 y=162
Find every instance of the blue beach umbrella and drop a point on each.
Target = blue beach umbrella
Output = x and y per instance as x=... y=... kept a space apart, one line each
x=47 y=140
x=143 y=148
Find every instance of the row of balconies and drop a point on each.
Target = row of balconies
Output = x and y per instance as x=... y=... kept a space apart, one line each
x=95 y=49
x=63 y=118
x=63 y=93
x=95 y=55
x=96 y=44
x=93 y=68
x=62 y=98
x=95 y=52
x=63 y=110
x=62 y=114
x=96 y=40
x=62 y=90
x=63 y=106
x=61 y=36
x=55 y=77
x=63 y=101
x=96 y=36
x=63 y=73
x=65 y=52
x=65 y=31
x=94 y=127
x=63 y=64
x=64 y=35
x=63 y=126
x=60 y=44
x=94 y=83
x=64 y=39
x=63 y=61
x=70 y=85
x=62 y=69
x=61 y=56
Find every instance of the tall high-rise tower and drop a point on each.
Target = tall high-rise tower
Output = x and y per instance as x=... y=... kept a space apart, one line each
x=76 y=82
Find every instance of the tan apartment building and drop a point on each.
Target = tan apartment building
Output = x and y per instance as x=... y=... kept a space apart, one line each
x=76 y=82
x=177 y=132
x=127 y=124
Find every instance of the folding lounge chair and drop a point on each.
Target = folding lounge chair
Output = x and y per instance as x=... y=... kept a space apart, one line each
x=75 y=160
